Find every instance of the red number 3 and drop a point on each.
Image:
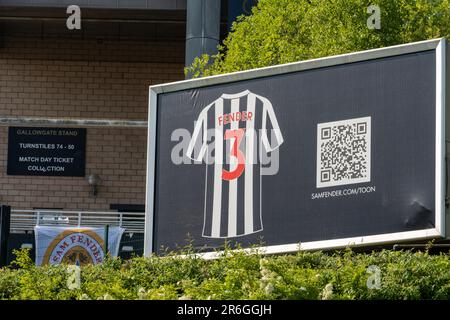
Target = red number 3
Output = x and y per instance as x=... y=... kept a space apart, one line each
x=235 y=152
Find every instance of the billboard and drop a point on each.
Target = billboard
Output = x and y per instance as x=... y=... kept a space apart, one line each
x=326 y=153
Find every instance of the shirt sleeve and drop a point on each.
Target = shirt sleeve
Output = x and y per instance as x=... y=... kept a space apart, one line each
x=199 y=136
x=269 y=115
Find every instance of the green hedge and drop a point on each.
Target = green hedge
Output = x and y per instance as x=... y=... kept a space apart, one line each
x=304 y=275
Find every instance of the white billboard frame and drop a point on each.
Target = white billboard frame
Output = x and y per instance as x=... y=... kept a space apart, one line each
x=440 y=46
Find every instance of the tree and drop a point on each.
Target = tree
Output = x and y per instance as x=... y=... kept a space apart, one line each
x=282 y=31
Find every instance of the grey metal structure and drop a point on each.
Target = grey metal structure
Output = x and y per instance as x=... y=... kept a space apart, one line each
x=446 y=97
x=8 y=121
x=441 y=228
x=202 y=28
x=96 y=23
x=200 y=24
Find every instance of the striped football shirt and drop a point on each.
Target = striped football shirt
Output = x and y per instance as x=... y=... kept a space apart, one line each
x=230 y=135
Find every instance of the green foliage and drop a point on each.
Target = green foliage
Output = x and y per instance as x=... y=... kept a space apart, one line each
x=282 y=31
x=237 y=275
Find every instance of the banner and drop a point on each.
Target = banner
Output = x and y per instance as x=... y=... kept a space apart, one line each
x=79 y=246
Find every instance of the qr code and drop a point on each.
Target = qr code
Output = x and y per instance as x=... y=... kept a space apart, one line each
x=343 y=152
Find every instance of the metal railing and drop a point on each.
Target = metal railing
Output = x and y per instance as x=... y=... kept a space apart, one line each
x=26 y=220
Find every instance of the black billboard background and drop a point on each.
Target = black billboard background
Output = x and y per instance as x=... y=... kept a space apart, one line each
x=398 y=93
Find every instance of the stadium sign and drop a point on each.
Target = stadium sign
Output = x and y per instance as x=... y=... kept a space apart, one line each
x=326 y=153
x=75 y=246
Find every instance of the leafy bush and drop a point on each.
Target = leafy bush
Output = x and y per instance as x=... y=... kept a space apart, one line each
x=282 y=31
x=238 y=275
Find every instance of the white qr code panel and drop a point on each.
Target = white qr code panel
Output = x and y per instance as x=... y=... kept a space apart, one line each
x=343 y=152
